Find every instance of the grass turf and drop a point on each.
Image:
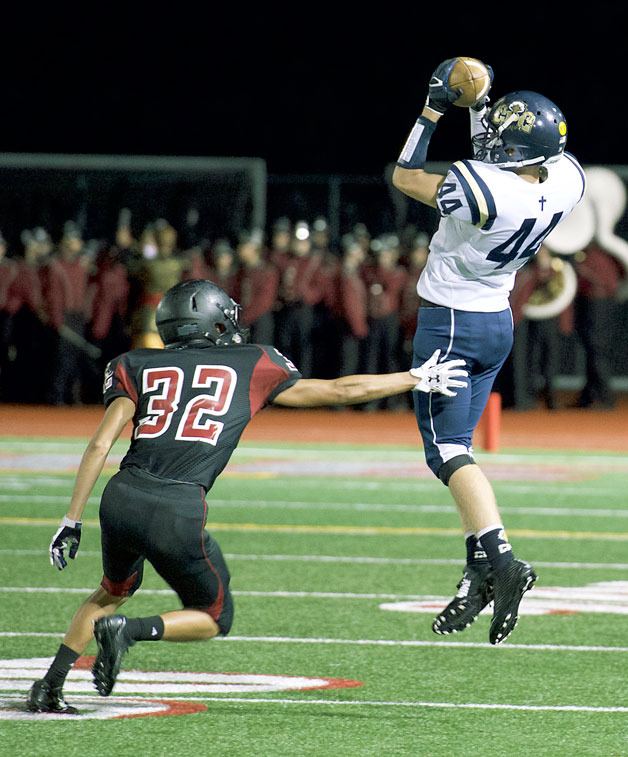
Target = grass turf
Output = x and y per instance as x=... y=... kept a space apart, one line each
x=290 y=537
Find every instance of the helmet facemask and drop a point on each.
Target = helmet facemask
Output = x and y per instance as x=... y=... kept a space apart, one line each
x=233 y=333
x=490 y=147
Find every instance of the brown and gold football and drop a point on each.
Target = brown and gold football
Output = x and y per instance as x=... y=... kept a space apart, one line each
x=472 y=77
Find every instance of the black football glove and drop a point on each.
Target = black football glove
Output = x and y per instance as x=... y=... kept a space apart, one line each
x=68 y=536
x=440 y=96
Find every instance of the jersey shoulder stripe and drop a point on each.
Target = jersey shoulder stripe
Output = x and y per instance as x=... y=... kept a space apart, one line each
x=479 y=196
x=122 y=375
x=273 y=373
x=578 y=167
x=486 y=193
x=456 y=169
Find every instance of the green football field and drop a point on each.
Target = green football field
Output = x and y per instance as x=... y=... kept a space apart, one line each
x=340 y=556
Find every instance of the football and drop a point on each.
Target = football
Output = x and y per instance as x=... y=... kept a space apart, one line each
x=472 y=77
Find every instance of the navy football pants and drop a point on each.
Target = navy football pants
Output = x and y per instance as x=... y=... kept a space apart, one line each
x=484 y=341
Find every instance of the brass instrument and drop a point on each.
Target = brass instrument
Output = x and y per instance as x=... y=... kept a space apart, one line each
x=552 y=296
x=607 y=194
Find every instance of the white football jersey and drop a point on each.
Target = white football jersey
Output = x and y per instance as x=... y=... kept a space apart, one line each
x=492 y=222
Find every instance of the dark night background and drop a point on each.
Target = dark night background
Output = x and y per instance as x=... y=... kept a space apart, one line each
x=326 y=95
x=306 y=90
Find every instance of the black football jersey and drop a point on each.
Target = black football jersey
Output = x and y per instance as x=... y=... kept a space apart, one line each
x=193 y=404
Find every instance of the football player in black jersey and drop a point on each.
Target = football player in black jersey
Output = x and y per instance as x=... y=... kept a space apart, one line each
x=189 y=404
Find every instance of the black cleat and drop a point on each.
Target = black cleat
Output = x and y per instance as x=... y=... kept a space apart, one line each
x=509 y=585
x=474 y=593
x=113 y=642
x=43 y=698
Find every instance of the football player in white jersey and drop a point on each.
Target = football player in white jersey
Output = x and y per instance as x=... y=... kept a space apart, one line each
x=495 y=210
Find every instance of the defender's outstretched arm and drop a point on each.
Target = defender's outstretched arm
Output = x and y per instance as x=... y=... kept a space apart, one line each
x=348 y=390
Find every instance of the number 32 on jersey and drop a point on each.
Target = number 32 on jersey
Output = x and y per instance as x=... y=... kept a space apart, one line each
x=197 y=420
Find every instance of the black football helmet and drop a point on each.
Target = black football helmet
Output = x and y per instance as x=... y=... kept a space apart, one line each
x=523 y=129
x=199 y=313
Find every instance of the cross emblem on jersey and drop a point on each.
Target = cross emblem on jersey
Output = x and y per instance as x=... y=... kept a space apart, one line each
x=542 y=201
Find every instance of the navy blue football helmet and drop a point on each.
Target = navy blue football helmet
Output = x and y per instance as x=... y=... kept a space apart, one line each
x=523 y=129
x=199 y=313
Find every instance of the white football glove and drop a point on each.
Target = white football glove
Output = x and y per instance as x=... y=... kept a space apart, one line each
x=67 y=536
x=439 y=377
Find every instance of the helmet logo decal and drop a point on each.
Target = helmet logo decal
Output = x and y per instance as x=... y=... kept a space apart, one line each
x=503 y=111
x=526 y=122
x=514 y=114
x=562 y=128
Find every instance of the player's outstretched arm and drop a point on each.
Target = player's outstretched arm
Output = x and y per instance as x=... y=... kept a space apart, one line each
x=68 y=535
x=417 y=183
x=409 y=175
x=432 y=376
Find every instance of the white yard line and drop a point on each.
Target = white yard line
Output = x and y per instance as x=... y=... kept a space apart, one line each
x=418 y=705
x=241 y=593
x=356 y=530
x=606 y=490
x=332 y=451
x=352 y=560
x=396 y=508
x=376 y=453
x=376 y=507
x=359 y=560
x=567 y=708
x=31 y=634
x=371 y=642
x=43 y=553
x=29 y=483
x=46 y=499
x=417 y=643
x=543 y=487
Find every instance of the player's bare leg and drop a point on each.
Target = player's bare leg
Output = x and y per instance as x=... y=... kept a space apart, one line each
x=189 y=625
x=469 y=486
x=114 y=635
x=81 y=630
x=474 y=497
x=501 y=577
x=46 y=694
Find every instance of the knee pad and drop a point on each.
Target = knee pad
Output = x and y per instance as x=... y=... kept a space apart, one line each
x=447 y=469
